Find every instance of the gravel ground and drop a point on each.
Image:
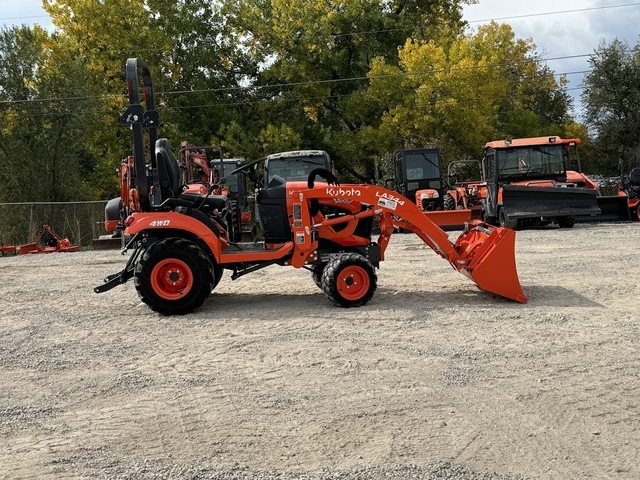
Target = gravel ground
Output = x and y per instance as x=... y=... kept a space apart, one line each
x=268 y=380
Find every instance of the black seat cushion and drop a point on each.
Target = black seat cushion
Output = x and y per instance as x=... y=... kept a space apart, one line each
x=168 y=169
x=214 y=202
x=272 y=211
x=634 y=177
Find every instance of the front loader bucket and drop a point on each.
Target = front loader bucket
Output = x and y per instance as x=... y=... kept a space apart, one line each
x=487 y=256
x=613 y=208
x=531 y=202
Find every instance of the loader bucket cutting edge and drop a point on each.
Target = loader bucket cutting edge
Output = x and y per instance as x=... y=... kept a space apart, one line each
x=491 y=261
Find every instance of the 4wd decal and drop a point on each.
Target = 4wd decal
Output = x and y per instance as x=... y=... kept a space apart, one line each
x=160 y=223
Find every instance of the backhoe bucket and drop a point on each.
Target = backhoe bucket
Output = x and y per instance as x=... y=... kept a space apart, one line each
x=531 y=202
x=613 y=208
x=487 y=256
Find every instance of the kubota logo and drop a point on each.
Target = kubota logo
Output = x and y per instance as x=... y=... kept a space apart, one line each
x=341 y=192
x=390 y=197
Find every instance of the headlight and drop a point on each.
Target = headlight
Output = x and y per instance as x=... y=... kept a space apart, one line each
x=427 y=196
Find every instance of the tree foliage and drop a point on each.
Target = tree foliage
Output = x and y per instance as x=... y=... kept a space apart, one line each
x=358 y=78
x=459 y=94
x=612 y=99
x=43 y=147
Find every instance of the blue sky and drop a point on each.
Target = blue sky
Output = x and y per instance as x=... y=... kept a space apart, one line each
x=558 y=35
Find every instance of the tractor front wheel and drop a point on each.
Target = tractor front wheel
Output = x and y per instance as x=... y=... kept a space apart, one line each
x=505 y=221
x=349 y=280
x=448 y=202
x=316 y=274
x=566 y=222
x=174 y=276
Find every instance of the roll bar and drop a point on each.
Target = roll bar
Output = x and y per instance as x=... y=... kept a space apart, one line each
x=142 y=118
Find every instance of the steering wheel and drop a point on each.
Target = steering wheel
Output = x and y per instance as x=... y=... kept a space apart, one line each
x=247 y=166
x=323 y=173
x=250 y=169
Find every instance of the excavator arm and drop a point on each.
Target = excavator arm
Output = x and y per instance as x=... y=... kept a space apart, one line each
x=483 y=253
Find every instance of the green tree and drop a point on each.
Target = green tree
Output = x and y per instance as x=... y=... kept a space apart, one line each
x=43 y=140
x=458 y=94
x=196 y=67
x=612 y=105
x=316 y=54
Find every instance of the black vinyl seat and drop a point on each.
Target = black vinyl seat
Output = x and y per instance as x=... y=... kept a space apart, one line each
x=272 y=211
x=634 y=177
x=170 y=185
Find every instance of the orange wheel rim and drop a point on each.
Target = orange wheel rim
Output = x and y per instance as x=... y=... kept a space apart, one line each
x=171 y=279
x=353 y=283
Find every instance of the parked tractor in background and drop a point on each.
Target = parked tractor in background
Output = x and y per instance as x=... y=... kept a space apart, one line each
x=182 y=245
x=215 y=174
x=295 y=165
x=417 y=176
x=523 y=183
x=526 y=181
x=623 y=206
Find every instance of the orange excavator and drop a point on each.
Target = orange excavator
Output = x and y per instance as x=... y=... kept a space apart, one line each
x=181 y=243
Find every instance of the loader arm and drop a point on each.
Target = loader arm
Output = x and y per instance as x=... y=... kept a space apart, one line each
x=483 y=253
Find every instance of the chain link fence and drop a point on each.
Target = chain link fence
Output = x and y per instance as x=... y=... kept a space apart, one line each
x=80 y=222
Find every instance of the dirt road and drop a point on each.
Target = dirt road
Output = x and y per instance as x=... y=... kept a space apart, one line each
x=432 y=379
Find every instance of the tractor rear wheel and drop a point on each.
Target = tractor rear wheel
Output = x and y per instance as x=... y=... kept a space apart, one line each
x=174 y=276
x=505 y=221
x=566 y=222
x=448 y=202
x=217 y=275
x=349 y=280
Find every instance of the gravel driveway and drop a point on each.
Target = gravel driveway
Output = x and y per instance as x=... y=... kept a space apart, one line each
x=432 y=379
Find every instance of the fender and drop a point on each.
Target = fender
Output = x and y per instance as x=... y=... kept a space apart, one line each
x=158 y=221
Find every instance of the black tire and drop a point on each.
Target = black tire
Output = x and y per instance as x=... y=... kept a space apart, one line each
x=448 y=202
x=217 y=276
x=160 y=263
x=316 y=274
x=234 y=222
x=566 y=222
x=349 y=280
x=505 y=221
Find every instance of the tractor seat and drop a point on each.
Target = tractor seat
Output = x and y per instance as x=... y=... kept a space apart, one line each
x=211 y=203
x=271 y=204
x=169 y=176
x=634 y=177
x=168 y=170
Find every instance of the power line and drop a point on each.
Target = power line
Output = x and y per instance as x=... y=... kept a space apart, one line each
x=289 y=100
x=28 y=16
x=559 y=12
x=297 y=84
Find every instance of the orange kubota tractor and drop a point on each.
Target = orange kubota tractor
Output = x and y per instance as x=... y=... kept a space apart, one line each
x=526 y=182
x=182 y=244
